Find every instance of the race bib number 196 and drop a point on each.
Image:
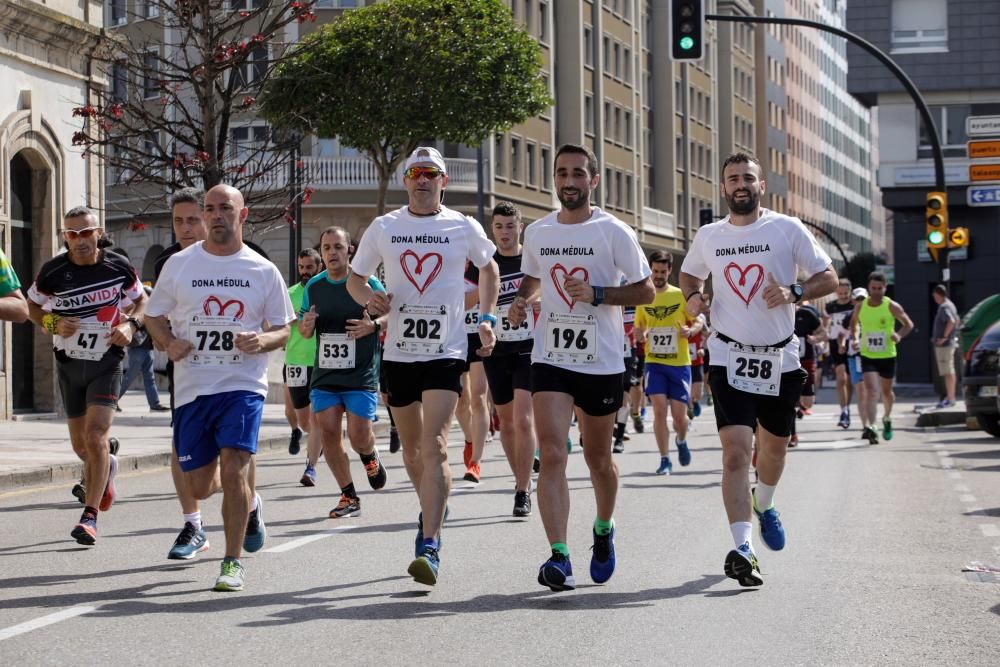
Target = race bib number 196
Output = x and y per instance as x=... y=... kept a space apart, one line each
x=421 y=329
x=214 y=339
x=754 y=372
x=571 y=339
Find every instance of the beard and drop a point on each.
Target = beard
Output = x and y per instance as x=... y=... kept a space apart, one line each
x=304 y=278
x=659 y=283
x=573 y=202
x=742 y=207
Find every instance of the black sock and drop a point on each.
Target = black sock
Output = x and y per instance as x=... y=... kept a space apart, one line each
x=392 y=422
x=619 y=430
x=349 y=491
x=368 y=458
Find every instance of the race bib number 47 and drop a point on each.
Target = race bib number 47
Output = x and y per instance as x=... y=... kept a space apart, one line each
x=421 y=329
x=571 y=339
x=90 y=341
x=754 y=372
x=214 y=339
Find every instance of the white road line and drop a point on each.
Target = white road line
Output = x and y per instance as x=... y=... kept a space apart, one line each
x=990 y=529
x=28 y=626
x=967 y=498
x=943 y=452
x=947 y=463
x=938 y=445
x=308 y=539
x=955 y=475
x=961 y=488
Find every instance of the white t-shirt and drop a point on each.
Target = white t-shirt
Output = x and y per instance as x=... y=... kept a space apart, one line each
x=603 y=250
x=424 y=260
x=739 y=259
x=209 y=299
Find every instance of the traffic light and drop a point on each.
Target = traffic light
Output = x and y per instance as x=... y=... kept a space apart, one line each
x=687 y=29
x=936 y=218
x=958 y=237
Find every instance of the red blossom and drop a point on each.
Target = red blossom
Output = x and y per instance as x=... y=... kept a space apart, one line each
x=249 y=101
x=136 y=226
x=299 y=164
x=203 y=156
x=117 y=109
x=105 y=125
x=307 y=195
x=88 y=111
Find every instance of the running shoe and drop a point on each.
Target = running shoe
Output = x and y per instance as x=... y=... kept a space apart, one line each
x=472 y=473
x=295 y=442
x=231 y=577
x=771 y=530
x=799 y=414
x=709 y=400
x=683 y=452
x=159 y=408
x=945 y=403
x=419 y=542
x=424 y=568
x=85 y=532
x=642 y=412
x=637 y=423
x=807 y=411
x=393 y=441
x=569 y=444
x=696 y=408
x=253 y=540
x=536 y=466
x=80 y=491
x=618 y=446
x=522 y=504
x=346 y=508
x=741 y=565
x=557 y=573
x=793 y=441
x=845 y=420
x=309 y=476
x=377 y=476
x=887 y=429
x=690 y=412
x=467 y=454
x=108 y=499
x=602 y=560
x=666 y=467
x=114 y=445
x=870 y=434
x=189 y=543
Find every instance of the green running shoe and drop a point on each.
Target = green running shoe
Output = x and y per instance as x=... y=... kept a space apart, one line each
x=887 y=429
x=231 y=576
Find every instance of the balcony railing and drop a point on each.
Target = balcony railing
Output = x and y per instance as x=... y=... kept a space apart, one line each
x=358 y=173
x=661 y=223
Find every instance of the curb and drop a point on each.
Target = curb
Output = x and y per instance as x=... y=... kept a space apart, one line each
x=71 y=473
x=941 y=418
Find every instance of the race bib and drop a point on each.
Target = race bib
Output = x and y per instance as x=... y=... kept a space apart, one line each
x=214 y=339
x=472 y=320
x=571 y=339
x=662 y=340
x=421 y=329
x=296 y=376
x=875 y=342
x=90 y=341
x=754 y=372
x=507 y=332
x=336 y=351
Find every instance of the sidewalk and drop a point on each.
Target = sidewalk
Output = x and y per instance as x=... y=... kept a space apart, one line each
x=35 y=450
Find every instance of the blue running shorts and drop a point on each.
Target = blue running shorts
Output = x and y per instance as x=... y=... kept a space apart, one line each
x=208 y=423
x=673 y=381
x=360 y=402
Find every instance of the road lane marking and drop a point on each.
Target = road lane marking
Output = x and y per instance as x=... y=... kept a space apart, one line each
x=943 y=452
x=989 y=529
x=961 y=488
x=955 y=475
x=28 y=626
x=308 y=539
x=947 y=463
x=967 y=498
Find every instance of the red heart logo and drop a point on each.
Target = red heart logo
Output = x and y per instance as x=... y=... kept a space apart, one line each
x=221 y=307
x=409 y=257
x=558 y=280
x=740 y=286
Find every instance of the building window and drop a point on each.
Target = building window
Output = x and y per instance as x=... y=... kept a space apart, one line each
x=151 y=74
x=607 y=188
x=618 y=60
x=515 y=159
x=546 y=168
x=588 y=114
x=498 y=155
x=531 y=168
x=627 y=62
x=628 y=191
x=119 y=81
x=152 y=9
x=618 y=124
x=254 y=69
x=118 y=10
x=607 y=120
x=529 y=15
x=628 y=129
x=247 y=140
x=950 y=123
x=919 y=26
x=588 y=46
x=607 y=55
x=619 y=200
x=543 y=22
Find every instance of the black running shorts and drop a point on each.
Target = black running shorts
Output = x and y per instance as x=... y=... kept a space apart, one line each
x=507 y=372
x=809 y=366
x=300 y=395
x=83 y=382
x=597 y=395
x=739 y=408
x=886 y=368
x=406 y=381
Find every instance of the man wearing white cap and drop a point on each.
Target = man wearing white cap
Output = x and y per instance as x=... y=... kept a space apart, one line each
x=424 y=247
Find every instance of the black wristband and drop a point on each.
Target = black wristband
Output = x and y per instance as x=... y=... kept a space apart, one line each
x=688 y=297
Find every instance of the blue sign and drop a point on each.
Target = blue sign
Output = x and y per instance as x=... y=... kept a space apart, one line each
x=983 y=195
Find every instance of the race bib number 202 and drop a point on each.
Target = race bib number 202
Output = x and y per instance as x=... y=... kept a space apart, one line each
x=421 y=329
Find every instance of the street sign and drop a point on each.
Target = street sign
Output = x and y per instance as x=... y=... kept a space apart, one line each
x=984 y=172
x=984 y=148
x=983 y=195
x=982 y=126
x=923 y=255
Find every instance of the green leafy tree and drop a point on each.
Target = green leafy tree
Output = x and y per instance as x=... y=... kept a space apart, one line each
x=387 y=76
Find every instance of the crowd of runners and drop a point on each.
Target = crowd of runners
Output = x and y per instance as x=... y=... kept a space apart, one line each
x=562 y=321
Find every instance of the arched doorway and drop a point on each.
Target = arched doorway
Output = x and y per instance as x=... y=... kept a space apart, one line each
x=25 y=184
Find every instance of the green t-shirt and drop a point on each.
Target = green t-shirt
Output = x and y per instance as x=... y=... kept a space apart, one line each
x=334 y=306
x=299 y=351
x=877 y=327
x=8 y=279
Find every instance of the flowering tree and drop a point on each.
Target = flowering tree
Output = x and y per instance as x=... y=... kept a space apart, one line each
x=180 y=107
x=389 y=75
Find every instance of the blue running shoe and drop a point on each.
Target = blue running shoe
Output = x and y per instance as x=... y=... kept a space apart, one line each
x=189 y=543
x=309 y=476
x=569 y=444
x=602 y=561
x=771 y=530
x=253 y=540
x=741 y=565
x=696 y=408
x=665 y=466
x=683 y=453
x=557 y=573
x=424 y=568
x=418 y=543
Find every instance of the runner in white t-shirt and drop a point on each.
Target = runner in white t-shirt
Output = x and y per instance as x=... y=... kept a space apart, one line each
x=575 y=259
x=227 y=307
x=755 y=256
x=423 y=248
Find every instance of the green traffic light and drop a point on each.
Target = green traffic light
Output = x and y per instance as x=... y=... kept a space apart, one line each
x=687 y=43
x=935 y=237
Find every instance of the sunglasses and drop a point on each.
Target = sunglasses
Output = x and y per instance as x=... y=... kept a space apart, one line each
x=85 y=233
x=413 y=173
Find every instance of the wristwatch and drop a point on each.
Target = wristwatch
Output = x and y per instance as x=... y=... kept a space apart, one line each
x=134 y=322
x=598 y=296
x=796 y=292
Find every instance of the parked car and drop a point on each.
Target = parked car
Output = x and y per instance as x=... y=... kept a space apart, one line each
x=982 y=373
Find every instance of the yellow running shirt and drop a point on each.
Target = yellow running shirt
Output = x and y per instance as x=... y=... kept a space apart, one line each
x=662 y=321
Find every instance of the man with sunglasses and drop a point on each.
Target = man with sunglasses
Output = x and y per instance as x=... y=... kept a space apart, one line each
x=228 y=307
x=77 y=298
x=575 y=259
x=424 y=247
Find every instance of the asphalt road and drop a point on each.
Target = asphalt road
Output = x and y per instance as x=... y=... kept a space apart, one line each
x=872 y=574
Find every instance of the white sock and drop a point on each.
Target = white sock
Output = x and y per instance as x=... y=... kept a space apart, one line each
x=194 y=519
x=764 y=496
x=253 y=503
x=741 y=531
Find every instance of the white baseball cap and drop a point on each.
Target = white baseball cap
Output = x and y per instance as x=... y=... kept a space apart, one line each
x=859 y=293
x=426 y=155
